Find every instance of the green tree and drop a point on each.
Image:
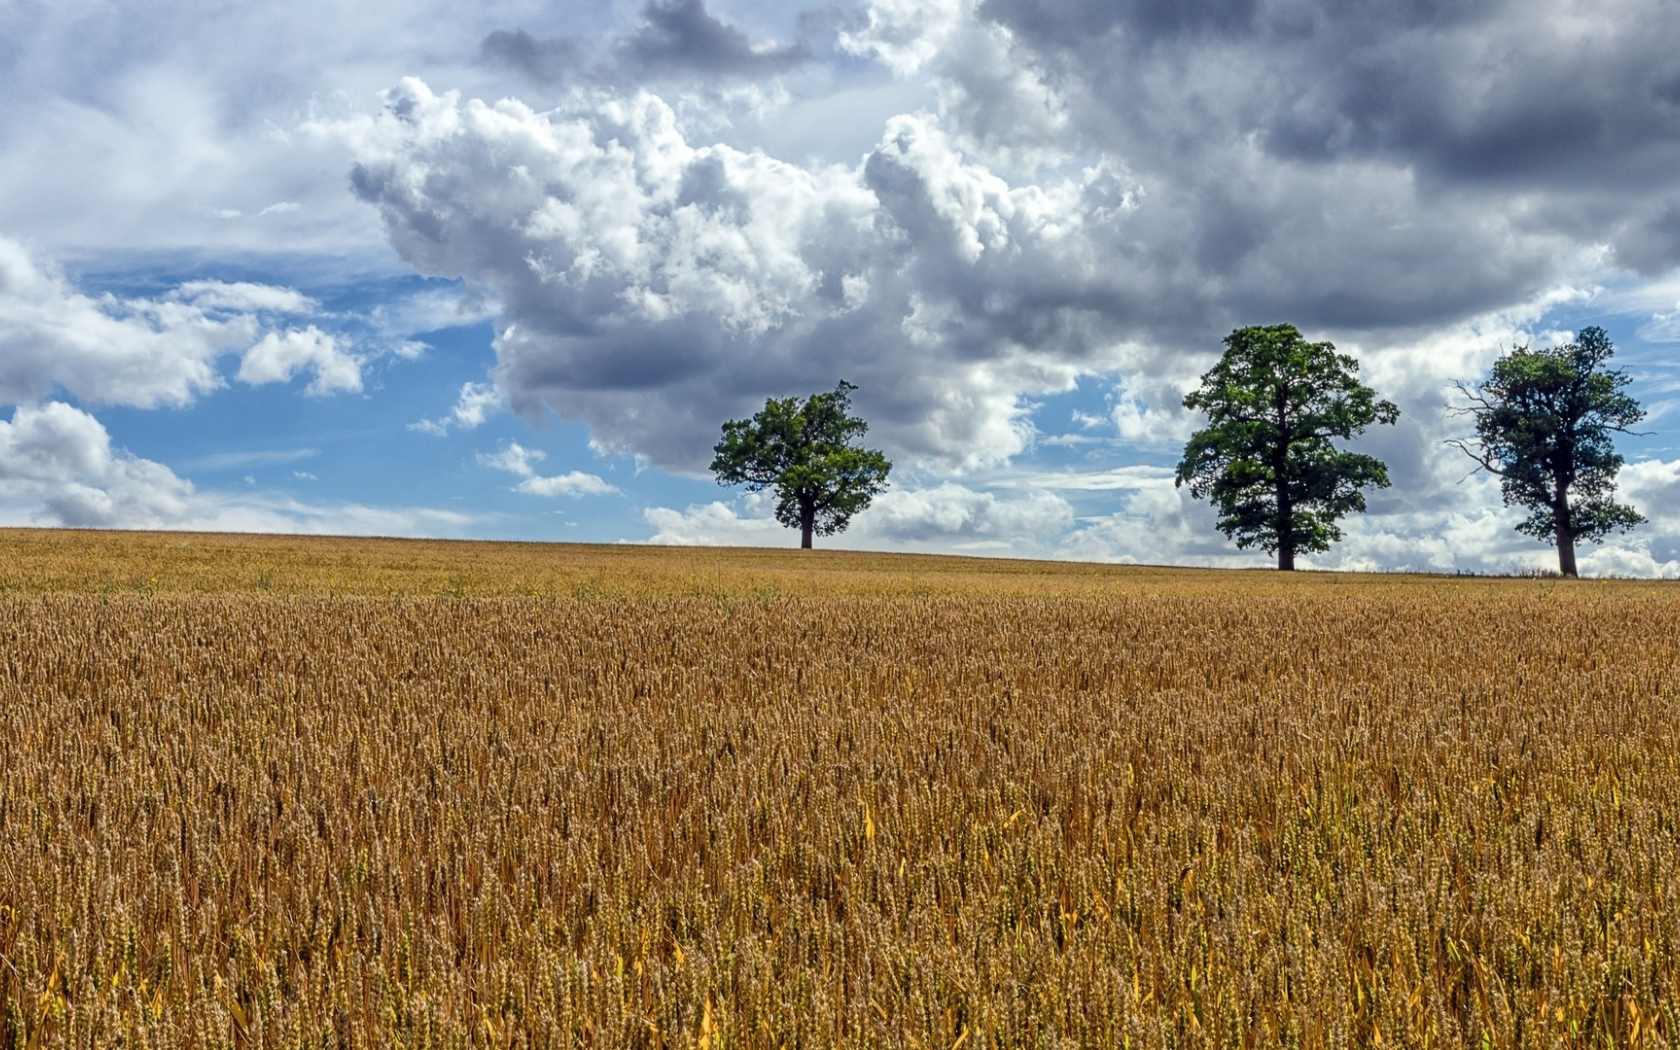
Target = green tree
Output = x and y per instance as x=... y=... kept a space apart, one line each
x=1545 y=421
x=809 y=454
x=1274 y=402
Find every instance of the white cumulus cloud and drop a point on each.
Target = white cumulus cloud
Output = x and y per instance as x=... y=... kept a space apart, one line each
x=955 y=514
x=244 y=296
x=947 y=516
x=135 y=352
x=58 y=467
x=517 y=459
x=651 y=286
x=475 y=403
x=148 y=352
x=279 y=356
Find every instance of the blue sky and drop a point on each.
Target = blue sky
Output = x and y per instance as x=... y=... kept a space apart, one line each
x=502 y=271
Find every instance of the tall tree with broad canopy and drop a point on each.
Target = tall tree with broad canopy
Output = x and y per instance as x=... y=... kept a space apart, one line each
x=808 y=453
x=1545 y=421
x=1274 y=403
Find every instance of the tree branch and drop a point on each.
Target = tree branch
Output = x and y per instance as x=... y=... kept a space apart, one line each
x=1481 y=401
x=1483 y=461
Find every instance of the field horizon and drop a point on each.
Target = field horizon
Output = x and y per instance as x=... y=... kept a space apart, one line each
x=106 y=561
x=325 y=792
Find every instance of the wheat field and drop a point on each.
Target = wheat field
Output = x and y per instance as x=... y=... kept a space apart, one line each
x=287 y=792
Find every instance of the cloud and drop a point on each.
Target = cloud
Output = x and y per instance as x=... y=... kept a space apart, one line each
x=476 y=402
x=59 y=468
x=279 y=356
x=999 y=105
x=134 y=352
x=544 y=60
x=683 y=35
x=1027 y=192
x=1157 y=524
x=653 y=288
x=271 y=512
x=1453 y=528
x=947 y=516
x=714 y=524
x=673 y=39
x=243 y=297
x=266 y=457
x=903 y=34
x=394 y=320
x=573 y=483
x=1117 y=479
x=517 y=459
x=955 y=514
x=1035 y=230
x=151 y=352
x=1653 y=488
x=1490 y=139
x=130 y=127
x=58 y=461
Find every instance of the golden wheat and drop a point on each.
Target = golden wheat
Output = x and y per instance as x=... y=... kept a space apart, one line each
x=857 y=801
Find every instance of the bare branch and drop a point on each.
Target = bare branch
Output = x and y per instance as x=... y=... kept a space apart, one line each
x=1474 y=394
x=1483 y=460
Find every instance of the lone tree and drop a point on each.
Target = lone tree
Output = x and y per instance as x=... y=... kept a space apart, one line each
x=1544 y=425
x=1274 y=402
x=809 y=454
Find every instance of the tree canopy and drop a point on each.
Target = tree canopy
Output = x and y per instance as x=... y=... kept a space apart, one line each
x=1545 y=425
x=809 y=454
x=1266 y=459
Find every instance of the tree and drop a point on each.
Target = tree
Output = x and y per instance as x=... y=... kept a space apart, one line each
x=1544 y=424
x=809 y=454
x=1274 y=402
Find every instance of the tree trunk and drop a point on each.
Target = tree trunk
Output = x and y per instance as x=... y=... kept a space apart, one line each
x=807 y=523
x=1565 y=541
x=1286 y=522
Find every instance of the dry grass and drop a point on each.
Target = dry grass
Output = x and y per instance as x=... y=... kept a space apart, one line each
x=110 y=564
x=764 y=799
x=106 y=563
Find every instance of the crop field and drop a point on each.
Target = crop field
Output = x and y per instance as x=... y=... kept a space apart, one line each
x=286 y=792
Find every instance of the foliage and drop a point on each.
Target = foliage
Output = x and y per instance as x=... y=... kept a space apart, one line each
x=1545 y=424
x=808 y=454
x=1266 y=459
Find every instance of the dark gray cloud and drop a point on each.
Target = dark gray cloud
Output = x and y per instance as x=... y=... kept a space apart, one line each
x=1649 y=243
x=1509 y=132
x=683 y=35
x=674 y=39
x=543 y=59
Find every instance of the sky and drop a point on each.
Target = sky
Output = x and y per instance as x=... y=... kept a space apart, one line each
x=501 y=270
